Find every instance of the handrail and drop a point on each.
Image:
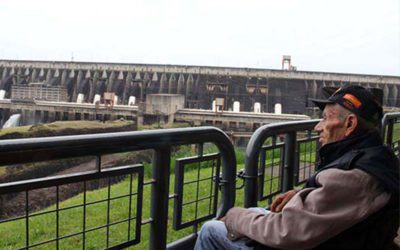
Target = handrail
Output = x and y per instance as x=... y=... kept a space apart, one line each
x=254 y=147
x=388 y=121
x=258 y=138
x=60 y=147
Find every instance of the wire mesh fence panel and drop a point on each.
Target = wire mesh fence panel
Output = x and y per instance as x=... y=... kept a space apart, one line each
x=307 y=146
x=91 y=219
x=196 y=189
x=270 y=170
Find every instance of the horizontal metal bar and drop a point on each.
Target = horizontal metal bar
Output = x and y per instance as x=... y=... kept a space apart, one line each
x=80 y=205
x=19 y=186
x=58 y=147
x=195 y=181
x=202 y=199
x=202 y=158
x=78 y=233
x=184 y=243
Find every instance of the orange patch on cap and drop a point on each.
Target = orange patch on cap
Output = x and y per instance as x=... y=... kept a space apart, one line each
x=354 y=100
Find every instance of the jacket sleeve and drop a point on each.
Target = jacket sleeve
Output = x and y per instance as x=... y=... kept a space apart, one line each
x=313 y=215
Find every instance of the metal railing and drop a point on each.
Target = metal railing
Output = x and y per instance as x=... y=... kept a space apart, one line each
x=279 y=166
x=281 y=156
x=98 y=145
x=390 y=131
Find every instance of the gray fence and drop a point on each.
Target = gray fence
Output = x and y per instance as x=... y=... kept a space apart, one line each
x=162 y=142
x=278 y=157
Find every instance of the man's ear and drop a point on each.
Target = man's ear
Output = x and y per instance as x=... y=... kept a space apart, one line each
x=351 y=124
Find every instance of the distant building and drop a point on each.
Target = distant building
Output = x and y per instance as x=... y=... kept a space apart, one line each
x=38 y=91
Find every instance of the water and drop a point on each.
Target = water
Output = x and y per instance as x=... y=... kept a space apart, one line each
x=13 y=121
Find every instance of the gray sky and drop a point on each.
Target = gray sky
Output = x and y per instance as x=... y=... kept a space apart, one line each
x=349 y=36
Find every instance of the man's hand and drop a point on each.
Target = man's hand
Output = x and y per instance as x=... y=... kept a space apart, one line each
x=278 y=204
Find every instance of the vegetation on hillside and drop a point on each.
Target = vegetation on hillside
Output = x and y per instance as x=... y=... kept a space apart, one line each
x=66 y=128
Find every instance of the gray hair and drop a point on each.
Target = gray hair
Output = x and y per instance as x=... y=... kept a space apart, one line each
x=363 y=126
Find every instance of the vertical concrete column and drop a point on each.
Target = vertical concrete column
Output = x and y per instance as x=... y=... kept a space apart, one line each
x=181 y=85
x=393 y=95
x=63 y=77
x=4 y=74
x=93 y=84
x=38 y=116
x=24 y=117
x=48 y=76
x=71 y=116
x=57 y=76
x=385 y=95
x=172 y=84
x=163 y=83
x=189 y=89
x=127 y=84
x=314 y=89
x=154 y=79
x=77 y=83
x=139 y=119
x=52 y=116
x=111 y=79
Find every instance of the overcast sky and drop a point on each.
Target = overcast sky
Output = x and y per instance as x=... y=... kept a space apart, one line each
x=349 y=36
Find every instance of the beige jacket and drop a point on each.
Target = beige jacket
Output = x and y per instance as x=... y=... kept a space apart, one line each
x=313 y=215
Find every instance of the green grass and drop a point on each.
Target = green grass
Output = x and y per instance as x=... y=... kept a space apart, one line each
x=165 y=125
x=43 y=227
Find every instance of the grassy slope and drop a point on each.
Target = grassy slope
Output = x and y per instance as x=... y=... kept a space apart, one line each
x=43 y=227
x=58 y=127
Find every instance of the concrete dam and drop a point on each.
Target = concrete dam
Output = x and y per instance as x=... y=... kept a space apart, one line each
x=207 y=88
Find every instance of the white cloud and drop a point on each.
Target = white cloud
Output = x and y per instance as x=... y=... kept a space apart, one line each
x=360 y=36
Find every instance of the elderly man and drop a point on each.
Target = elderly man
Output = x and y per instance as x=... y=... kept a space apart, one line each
x=351 y=202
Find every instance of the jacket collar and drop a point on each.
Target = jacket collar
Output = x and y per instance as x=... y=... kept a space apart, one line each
x=330 y=152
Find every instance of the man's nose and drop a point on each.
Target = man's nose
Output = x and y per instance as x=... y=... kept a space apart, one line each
x=318 y=127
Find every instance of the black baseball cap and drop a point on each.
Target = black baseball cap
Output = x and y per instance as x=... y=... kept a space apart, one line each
x=366 y=103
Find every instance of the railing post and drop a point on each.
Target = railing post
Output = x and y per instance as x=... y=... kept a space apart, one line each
x=251 y=170
x=389 y=138
x=159 y=198
x=290 y=161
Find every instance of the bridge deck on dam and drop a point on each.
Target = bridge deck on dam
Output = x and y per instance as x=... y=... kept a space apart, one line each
x=236 y=121
x=199 y=84
x=35 y=111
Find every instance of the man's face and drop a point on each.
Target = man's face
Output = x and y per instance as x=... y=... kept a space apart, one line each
x=332 y=127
